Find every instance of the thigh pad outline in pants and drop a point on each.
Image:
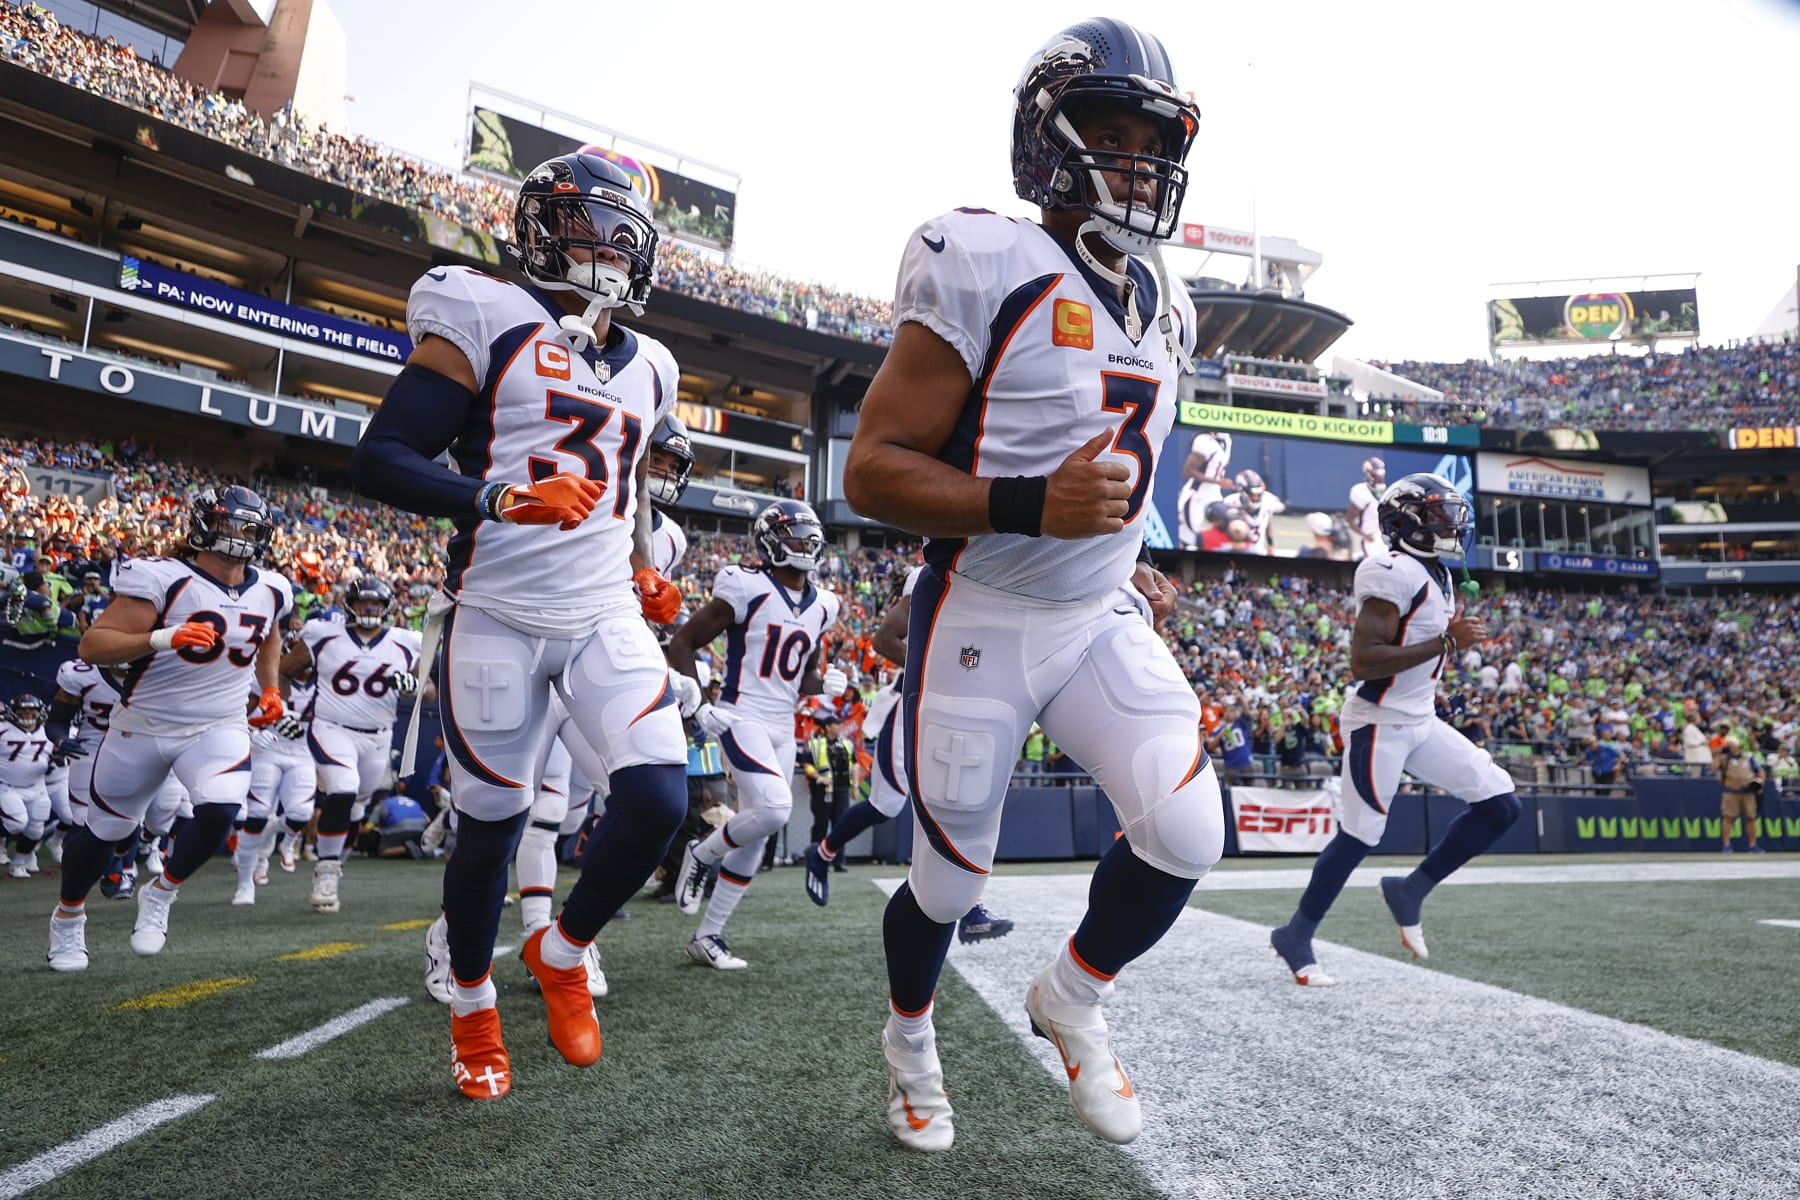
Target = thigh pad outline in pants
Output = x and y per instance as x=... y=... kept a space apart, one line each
x=1448 y=761
x=131 y=772
x=496 y=703
x=617 y=691
x=214 y=766
x=1128 y=715
x=760 y=760
x=334 y=752
x=14 y=812
x=374 y=755
x=1374 y=758
x=37 y=810
x=888 y=789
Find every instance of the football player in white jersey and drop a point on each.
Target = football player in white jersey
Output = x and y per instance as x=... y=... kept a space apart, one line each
x=1364 y=512
x=887 y=790
x=84 y=700
x=25 y=753
x=546 y=406
x=1259 y=506
x=1015 y=423
x=360 y=670
x=671 y=462
x=282 y=777
x=190 y=633
x=774 y=618
x=1408 y=625
x=1204 y=476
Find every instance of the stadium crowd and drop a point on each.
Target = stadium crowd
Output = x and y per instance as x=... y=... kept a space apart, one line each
x=1702 y=387
x=1618 y=682
x=32 y=37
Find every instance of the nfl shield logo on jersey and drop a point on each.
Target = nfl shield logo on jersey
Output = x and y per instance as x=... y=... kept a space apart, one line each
x=971 y=658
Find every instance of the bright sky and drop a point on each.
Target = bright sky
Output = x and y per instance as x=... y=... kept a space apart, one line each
x=1426 y=149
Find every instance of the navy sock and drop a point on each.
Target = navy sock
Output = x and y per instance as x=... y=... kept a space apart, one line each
x=1330 y=873
x=199 y=840
x=84 y=861
x=334 y=815
x=475 y=891
x=1468 y=835
x=856 y=818
x=916 y=946
x=645 y=807
x=1131 y=904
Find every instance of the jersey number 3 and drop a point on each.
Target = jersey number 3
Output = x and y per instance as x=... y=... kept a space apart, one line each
x=1135 y=396
x=589 y=417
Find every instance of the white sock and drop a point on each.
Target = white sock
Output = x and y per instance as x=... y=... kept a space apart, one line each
x=559 y=951
x=331 y=845
x=914 y=1033
x=245 y=861
x=1073 y=984
x=725 y=897
x=466 y=998
x=536 y=912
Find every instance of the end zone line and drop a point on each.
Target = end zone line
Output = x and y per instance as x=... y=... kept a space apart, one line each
x=1778 y=921
x=16 y=1181
x=294 y=1047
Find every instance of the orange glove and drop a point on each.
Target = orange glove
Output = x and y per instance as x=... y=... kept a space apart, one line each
x=196 y=635
x=564 y=500
x=268 y=709
x=661 y=600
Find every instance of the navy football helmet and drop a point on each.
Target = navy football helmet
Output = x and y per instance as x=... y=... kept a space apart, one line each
x=670 y=444
x=1091 y=64
x=1375 y=474
x=26 y=712
x=1251 y=486
x=232 y=522
x=788 y=534
x=574 y=207
x=368 y=601
x=1426 y=516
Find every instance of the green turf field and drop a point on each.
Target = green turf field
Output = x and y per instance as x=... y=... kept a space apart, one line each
x=769 y=1082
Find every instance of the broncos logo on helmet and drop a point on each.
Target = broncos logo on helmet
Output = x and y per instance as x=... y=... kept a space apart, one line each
x=581 y=225
x=788 y=534
x=369 y=601
x=1426 y=516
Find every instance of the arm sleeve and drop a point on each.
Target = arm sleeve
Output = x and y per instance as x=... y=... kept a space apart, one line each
x=733 y=587
x=940 y=289
x=396 y=460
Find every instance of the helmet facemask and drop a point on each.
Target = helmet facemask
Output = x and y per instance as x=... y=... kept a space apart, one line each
x=564 y=238
x=669 y=470
x=1080 y=178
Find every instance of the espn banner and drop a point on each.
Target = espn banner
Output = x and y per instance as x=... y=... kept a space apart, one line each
x=508 y=146
x=1593 y=317
x=1278 y=821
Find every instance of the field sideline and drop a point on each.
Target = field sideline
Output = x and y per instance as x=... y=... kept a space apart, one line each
x=1590 y=1027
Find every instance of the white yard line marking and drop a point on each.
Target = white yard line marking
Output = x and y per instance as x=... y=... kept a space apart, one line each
x=294 y=1047
x=16 y=1181
x=1400 y=1081
x=502 y=951
x=1783 y=924
x=1296 y=878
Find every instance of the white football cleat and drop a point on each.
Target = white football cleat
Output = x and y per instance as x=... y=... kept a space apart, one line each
x=55 y=843
x=153 y=861
x=68 y=943
x=1098 y=1087
x=245 y=894
x=711 y=951
x=1413 y=938
x=690 y=881
x=437 y=960
x=918 y=1108
x=152 y=929
x=326 y=873
x=18 y=868
x=285 y=848
x=262 y=870
x=596 y=972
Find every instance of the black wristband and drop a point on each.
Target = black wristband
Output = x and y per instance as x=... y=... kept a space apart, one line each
x=1144 y=555
x=1016 y=504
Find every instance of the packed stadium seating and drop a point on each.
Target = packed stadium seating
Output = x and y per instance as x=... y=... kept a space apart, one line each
x=1567 y=678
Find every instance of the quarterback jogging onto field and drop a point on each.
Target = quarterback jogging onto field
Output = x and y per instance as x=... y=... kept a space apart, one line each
x=546 y=407
x=1408 y=625
x=1015 y=423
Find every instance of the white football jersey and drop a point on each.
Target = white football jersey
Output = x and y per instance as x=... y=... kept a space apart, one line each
x=544 y=410
x=1367 y=507
x=668 y=544
x=912 y=580
x=771 y=639
x=353 y=675
x=183 y=690
x=1052 y=364
x=24 y=757
x=1259 y=518
x=95 y=690
x=1423 y=593
x=1214 y=452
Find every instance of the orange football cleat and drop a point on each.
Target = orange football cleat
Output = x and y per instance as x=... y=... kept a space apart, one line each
x=574 y=1030
x=478 y=1058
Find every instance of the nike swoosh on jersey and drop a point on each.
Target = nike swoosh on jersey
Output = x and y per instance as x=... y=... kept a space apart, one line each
x=1386 y=566
x=937 y=247
x=439 y=276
